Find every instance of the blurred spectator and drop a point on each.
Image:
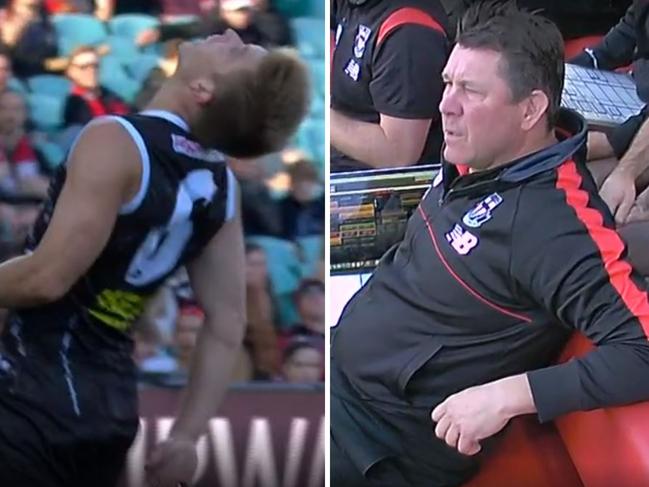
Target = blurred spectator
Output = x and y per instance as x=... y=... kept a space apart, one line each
x=5 y=68
x=310 y=305
x=25 y=29
x=88 y=99
x=171 y=9
x=239 y=15
x=273 y=25
x=189 y=323
x=261 y=336
x=166 y=67
x=259 y=211
x=25 y=168
x=303 y=363
x=303 y=209
x=102 y=9
x=53 y=7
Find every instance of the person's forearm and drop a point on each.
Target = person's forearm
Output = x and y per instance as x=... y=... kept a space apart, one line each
x=636 y=158
x=365 y=142
x=210 y=373
x=516 y=395
x=24 y=283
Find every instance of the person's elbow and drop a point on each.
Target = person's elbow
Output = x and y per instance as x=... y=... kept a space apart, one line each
x=405 y=141
x=46 y=287
x=50 y=280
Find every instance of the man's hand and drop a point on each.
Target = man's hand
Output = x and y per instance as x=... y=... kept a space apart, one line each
x=172 y=464
x=476 y=413
x=466 y=418
x=618 y=192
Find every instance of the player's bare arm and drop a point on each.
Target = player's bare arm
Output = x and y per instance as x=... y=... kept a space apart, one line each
x=99 y=180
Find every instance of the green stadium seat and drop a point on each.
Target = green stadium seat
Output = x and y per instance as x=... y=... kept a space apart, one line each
x=130 y=25
x=74 y=30
x=50 y=84
x=309 y=35
x=45 y=111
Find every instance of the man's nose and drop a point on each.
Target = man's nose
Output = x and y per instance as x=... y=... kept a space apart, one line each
x=449 y=104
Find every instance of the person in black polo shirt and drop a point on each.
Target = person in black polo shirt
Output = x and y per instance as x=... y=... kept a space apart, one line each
x=385 y=82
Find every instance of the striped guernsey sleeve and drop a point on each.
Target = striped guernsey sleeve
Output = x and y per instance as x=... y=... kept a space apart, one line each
x=567 y=256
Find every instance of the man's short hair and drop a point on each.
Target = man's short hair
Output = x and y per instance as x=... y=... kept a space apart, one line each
x=256 y=111
x=531 y=46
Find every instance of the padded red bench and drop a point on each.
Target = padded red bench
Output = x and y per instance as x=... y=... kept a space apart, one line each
x=601 y=448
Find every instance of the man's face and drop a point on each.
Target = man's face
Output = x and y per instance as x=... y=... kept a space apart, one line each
x=12 y=112
x=217 y=55
x=482 y=125
x=239 y=18
x=311 y=305
x=5 y=72
x=84 y=70
x=304 y=366
x=304 y=189
x=26 y=8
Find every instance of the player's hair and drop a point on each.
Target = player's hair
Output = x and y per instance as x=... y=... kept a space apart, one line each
x=256 y=111
x=531 y=46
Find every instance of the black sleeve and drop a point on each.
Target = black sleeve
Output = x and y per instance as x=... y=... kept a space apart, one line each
x=567 y=256
x=406 y=73
x=617 y=47
x=76 y=111
x=187 y=30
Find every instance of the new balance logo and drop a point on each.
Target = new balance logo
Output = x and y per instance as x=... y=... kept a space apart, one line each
x=461 y=240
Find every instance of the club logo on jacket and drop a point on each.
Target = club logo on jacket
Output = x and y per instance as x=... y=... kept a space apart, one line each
x=481 y=213
x=461 y=240
x=361 y=40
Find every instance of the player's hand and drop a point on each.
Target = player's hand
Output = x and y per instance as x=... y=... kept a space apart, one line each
x=618 y=192
x=466 y=418
x=172 y=464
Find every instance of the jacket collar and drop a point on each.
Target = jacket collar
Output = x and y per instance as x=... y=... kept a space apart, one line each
x=571 y=132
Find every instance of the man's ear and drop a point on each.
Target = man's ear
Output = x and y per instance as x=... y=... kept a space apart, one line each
x=202 y=89
x=534 y=107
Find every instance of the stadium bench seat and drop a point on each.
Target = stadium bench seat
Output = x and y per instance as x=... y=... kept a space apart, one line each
x=601 y=448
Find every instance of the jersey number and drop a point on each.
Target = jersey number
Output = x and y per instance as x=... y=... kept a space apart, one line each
x=160 y=252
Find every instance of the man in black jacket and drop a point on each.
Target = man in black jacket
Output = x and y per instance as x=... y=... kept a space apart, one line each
x=509 y=253
x=624 y=150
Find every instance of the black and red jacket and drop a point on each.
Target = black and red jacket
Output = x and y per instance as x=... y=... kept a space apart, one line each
x=496 y=270
x=82 y=105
